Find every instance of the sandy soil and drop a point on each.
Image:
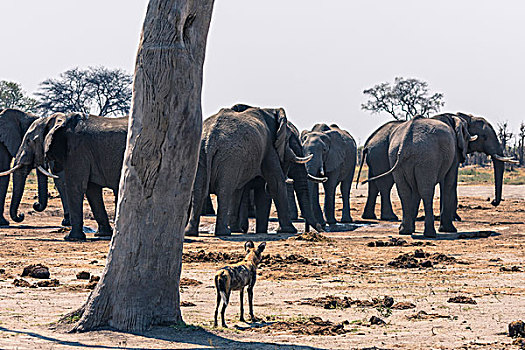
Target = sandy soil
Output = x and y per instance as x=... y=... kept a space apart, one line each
x=349 y=265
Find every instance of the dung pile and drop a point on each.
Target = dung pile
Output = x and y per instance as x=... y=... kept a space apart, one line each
x=334 y=302
x=311 y=237
x=398 y=242
x=216 y=257
x=420 y=259
x=36 y=271
x=310 y=326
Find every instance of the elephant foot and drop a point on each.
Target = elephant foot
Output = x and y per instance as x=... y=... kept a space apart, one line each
x=222 y=232
x=75 y=236
x=392 y=217
x=369 y=216
x=3 y=221
x=104 y=232
x=287 y=229
x=447 y=228
x=405 y=230
x=430 y=233
x=347 y=220
x=66 y=221
x=331 y=222
x=191 y=231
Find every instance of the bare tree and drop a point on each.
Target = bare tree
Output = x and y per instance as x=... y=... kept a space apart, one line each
x=521 y=144
x=96 y=90
x=504 y=134
x=140 y=284
x=13 y=96
x=404 y=100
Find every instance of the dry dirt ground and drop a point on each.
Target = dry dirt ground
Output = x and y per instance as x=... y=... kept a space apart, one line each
x=308 y=294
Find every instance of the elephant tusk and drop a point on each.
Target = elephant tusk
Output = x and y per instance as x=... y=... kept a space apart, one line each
x=473 y=138
x=321 y=172
x=303 y=160
x=317 y=179
x=10 y=171
x=46 y=173
x=289 y=181
x=505 y=159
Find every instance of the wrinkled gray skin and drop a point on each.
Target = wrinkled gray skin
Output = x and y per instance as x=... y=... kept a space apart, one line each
x=296 y=172
x=375 y=152
x=334 y=158
x=89 y=150
x=238 y=145
x=424 y=152
x=13 y=126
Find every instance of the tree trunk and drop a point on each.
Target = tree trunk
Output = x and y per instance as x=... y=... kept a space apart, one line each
x=140 y=284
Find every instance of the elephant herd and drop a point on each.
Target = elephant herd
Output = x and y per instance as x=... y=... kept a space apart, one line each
x=254 y=152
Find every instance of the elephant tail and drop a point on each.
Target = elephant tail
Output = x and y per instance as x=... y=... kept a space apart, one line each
x=388 y=172
x=363 y=157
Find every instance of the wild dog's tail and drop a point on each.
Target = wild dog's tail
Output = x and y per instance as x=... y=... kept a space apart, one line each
x=221 y=285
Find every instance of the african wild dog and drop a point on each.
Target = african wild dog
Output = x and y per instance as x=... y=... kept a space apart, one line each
x=236 y=277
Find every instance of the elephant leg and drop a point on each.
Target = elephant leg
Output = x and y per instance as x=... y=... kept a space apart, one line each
x=373 y=191
x=292 y=206
x=224 y=199
x=96 y=203
x=263 y=204
x=345 y=193
x=5 y=161
x=329 y=200
x=235 y=210
x=244 y=222
x=385 y=189
x=275 y=179
x=60 y=185
x=75 y=190
x=314 y=192
x=404 y=190
x=448 y=201
x=198 y=196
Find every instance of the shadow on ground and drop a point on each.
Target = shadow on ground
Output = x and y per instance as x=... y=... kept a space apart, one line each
x=459 y=235
x=198 y=337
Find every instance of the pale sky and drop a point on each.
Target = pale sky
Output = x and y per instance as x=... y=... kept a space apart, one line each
x=314 y=58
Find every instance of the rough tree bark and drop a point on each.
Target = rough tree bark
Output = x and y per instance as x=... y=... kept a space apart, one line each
x=140 y=284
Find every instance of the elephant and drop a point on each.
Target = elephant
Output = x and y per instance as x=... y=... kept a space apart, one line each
x=13 y=125
x=89 y=150
x=333 y=152
x=424 y=152
x=296 y=184
x=375 y=153
x=239 y=144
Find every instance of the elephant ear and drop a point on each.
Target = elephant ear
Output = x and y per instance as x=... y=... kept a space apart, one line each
x=304 y=133
x=462 y=138
x=57 y=124
x=281 y=137
x=10 y=131
x=336 y=153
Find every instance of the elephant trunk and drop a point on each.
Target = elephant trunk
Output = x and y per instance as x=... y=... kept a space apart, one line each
x=19 y=182
x=41 y=205
x=300 y=185
x=499 y=168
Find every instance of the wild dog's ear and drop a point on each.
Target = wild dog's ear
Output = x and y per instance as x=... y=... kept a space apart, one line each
x=248 y=245
x=261 y=247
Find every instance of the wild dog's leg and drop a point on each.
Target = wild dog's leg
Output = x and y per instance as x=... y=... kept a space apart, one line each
x=217 y=287
x=224 y=304
x=217 y=307
x=242 y=306
x=250 y=303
